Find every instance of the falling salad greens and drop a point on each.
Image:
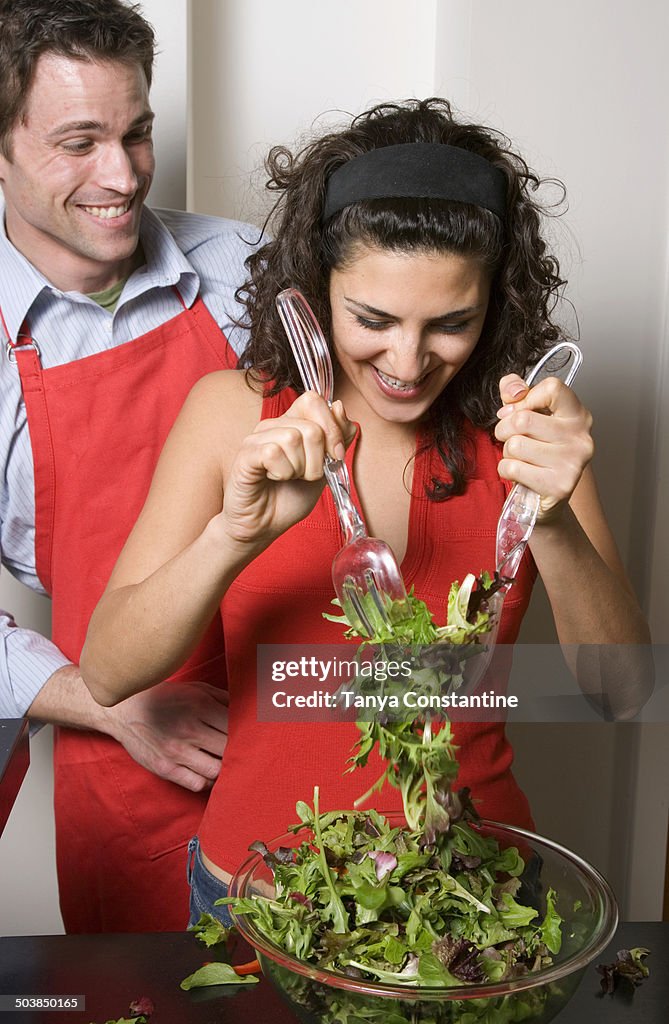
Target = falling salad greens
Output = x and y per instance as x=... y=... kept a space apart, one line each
x=420 y=761
x=431 y=902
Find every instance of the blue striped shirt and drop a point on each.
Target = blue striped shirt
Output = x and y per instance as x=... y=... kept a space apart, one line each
x=196 y=253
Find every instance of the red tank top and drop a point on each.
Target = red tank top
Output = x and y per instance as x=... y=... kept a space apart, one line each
x=268 y=767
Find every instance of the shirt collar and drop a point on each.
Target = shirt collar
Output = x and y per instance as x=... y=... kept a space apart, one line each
x=166 y=267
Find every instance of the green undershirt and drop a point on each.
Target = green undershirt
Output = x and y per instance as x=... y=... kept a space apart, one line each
x=108 y=297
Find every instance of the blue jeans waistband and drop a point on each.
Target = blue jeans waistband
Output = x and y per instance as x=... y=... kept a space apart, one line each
x=205 y=888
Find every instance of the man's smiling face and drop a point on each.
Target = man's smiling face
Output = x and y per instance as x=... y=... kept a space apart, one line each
x=79 y=169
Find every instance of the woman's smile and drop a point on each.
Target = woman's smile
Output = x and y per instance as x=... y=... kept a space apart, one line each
x=399 y=388
x=403 y=325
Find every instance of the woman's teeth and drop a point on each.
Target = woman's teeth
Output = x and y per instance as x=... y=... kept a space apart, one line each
x=400 y=385
x=107 y=212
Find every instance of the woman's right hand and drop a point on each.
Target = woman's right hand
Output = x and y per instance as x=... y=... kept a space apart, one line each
x=277 y=474
x=188 y=545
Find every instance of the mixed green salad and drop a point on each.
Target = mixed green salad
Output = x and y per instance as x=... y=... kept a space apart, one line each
x=377 y=901
x=442 y=658
x=433 y=901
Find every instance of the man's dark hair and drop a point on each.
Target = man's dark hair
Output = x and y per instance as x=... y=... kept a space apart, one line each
x=80 y=29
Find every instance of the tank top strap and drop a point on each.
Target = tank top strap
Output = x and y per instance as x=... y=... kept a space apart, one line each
x=276 y=405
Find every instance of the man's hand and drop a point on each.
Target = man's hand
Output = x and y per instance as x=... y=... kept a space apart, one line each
x=176 y=730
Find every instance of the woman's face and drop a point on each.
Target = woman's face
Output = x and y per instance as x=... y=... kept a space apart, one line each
x=403 y=324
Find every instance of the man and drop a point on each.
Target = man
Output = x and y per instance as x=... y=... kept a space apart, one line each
x=109 y=315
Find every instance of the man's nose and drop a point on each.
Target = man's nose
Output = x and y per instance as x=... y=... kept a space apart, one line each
x=116 y=171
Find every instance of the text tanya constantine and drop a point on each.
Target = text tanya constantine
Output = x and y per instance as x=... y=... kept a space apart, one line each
x=411 y=700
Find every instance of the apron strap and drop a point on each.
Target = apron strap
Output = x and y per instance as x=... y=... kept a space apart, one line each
x=25 y=352
x=179 y=296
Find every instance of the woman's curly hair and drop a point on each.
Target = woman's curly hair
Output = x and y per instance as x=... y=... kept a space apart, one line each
x=525 y=277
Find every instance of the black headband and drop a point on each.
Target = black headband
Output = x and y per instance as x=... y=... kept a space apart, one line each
x=417 y=170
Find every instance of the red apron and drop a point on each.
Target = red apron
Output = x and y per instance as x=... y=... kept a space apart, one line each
x=97 y=426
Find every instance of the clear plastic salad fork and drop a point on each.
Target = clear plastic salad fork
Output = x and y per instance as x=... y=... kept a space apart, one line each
x=365 y=573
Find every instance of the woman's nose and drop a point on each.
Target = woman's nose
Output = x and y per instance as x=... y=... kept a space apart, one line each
x=406 y=356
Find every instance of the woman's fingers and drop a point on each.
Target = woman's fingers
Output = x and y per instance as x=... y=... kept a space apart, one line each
x=329 y=425
x=287 y=451
x=555 y=483
x=551 y=397
x=277 y=474
x=564 y=448
x=512 y=388
x=545 y=431
x=277 y=455
x=526 y=423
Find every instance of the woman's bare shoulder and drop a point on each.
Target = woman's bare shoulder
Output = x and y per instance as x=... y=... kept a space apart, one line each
x=233 y=384
x=223 y=405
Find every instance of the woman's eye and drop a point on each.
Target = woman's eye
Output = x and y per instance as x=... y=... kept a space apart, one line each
x=452 y=328
x=372 y=325
x=438 y=328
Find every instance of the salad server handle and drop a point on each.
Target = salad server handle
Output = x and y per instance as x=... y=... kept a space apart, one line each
x=339 y=482
x=520 y=510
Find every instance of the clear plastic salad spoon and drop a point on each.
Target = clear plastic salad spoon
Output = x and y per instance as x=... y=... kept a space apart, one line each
x=520 y=510
x=515 y=525
x=365 y=573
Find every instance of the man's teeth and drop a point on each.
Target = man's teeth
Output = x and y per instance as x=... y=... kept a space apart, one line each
x=107 y=212
x=399 y=385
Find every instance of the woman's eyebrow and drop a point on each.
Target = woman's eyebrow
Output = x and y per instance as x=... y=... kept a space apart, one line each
x=453 y=314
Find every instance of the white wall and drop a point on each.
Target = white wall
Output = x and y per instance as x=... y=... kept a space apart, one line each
x=581 y=88
x=263 y=72
x=168 y=98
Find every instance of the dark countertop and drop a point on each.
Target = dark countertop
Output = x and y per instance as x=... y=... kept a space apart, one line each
x=14 y=761
x=113 y=970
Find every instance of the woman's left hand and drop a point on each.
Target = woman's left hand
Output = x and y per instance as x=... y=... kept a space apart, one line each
x=547 y=442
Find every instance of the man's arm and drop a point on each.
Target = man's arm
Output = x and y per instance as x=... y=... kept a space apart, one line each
x=27 y=660
x=177 y=730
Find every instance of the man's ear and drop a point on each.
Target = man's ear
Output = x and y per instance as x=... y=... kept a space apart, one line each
x=4 y=160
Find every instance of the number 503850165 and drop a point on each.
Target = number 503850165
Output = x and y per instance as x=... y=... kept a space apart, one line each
x=42 y=1002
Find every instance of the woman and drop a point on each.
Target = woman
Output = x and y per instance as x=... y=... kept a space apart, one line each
x=418 y=243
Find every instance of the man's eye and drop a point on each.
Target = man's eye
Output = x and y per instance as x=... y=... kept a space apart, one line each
x=139 y=135
x=372 y=325
x=78 y=145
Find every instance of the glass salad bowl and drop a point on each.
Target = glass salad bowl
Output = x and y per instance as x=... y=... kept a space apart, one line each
x=321 y=996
